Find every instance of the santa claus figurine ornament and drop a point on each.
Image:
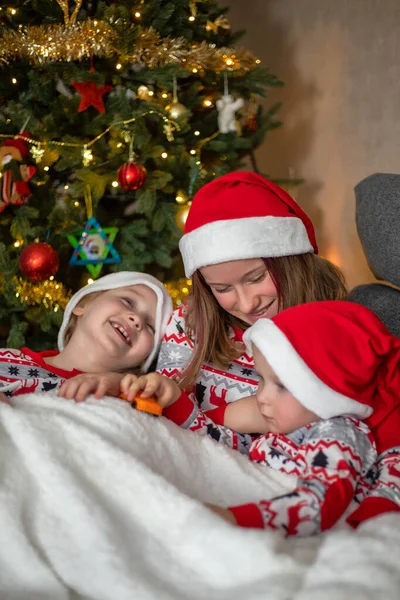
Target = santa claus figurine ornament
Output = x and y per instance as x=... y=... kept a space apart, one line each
x=16 y=171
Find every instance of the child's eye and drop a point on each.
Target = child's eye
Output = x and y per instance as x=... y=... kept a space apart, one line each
x=280 y=386
x=221 y=291
x=128 y=301
x=150 y=328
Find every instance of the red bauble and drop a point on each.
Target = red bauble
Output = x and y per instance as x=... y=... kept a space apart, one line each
x=38 y=261
x=131 y=176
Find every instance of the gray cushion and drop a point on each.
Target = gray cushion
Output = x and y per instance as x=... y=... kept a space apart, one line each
x=378 y=226
x=383 y=301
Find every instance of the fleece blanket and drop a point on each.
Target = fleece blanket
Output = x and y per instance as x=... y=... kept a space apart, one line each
x=98 y=501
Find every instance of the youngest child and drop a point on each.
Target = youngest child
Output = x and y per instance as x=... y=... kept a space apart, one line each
x=327 y=405
x=114 y=324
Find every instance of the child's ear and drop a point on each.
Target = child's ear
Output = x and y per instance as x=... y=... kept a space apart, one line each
x=77 y=311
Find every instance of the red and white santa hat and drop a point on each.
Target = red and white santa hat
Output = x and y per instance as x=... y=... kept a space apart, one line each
x=243 y=215
x=19 y=143
x=336 y=358
x=118 y=280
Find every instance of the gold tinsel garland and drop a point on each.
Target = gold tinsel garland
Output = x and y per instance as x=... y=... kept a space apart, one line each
x=154 y=51
x=47 y=43
x=50 y=293
x=179 y=290
x=54 y=296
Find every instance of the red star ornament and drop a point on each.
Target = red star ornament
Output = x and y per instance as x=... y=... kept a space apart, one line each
x=91 y=95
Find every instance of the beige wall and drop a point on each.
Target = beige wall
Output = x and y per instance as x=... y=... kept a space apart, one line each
x=340 y=61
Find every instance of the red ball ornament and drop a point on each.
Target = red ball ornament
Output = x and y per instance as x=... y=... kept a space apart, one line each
x=131 y=176
x=38 y=261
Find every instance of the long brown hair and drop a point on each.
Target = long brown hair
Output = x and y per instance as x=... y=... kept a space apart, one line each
x=298 y=279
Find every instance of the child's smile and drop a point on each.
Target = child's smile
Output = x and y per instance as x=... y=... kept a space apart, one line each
x=123 y=332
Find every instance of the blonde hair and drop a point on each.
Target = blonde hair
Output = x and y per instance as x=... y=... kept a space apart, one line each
x=298 y=279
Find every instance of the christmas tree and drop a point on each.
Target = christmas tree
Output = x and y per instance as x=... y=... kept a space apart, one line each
x=112 y=115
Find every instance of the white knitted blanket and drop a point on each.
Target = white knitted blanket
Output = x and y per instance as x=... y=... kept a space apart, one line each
x=99 y=501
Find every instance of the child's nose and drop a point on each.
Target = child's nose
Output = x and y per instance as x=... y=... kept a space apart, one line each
x=264 y=398
x=136 y=321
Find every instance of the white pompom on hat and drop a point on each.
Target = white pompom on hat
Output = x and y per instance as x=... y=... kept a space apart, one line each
x=124 y=279
x=243 y=215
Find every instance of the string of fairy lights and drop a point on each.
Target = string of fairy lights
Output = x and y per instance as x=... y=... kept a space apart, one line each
x=37 y=146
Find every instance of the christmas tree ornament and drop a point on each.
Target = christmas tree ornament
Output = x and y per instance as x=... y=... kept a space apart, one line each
x=176 y=110
x=220 y=22
x=16 y=170
x=130 y=94
x=250 y=124
x=250 y=121
x=169 y=129
x=131 y=176
x=227 y=106
x=87 y=156
x=193 y=7
x=94 y=246
x=37 y=152
x=69 y=19
x=181 y=215
x=63 y=90
x=38 y=261
x=145 y=93
x=92 y=95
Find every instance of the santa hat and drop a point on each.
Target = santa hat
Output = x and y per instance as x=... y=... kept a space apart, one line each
x=123 y=279
x=20 y=144
x=336 y=358
x=243 y=215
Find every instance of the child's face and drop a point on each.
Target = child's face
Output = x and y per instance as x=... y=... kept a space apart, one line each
x=119 y=326
x=278 y=406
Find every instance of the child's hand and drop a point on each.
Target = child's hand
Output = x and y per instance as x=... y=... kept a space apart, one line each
x=79 y=387
x=166 y=391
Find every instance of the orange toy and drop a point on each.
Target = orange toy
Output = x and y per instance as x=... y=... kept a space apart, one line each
x=148 y=405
